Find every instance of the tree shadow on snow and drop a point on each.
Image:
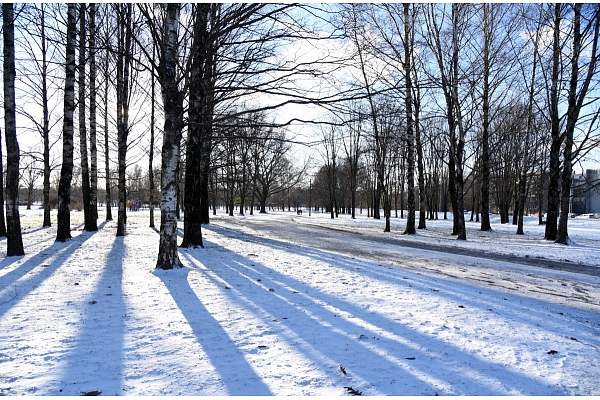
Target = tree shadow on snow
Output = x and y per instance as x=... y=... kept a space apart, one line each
x=432 y=286
x=332 y=328
x=19 y=282
x=236 y=374
x=95 y=361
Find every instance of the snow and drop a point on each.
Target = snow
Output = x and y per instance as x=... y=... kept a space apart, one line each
x=259 y=312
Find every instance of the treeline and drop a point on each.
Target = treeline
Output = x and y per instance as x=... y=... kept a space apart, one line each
x=422 y=105
x=497 y=102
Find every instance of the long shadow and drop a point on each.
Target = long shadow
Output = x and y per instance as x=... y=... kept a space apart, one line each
x=19 y=282
x=462 y=293
x=95 y=363
x=36 y=230
x=237 y=375
x=294 y=302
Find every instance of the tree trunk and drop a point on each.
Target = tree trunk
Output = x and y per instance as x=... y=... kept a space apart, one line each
x=485 y=141
x=46 y=122
x=93 y=220
x=123 y=65
x=106 y=143
x=199 y=130
x=557 y=138
x=168 y=256
x=151 y=152
x=263 y=199
x=410 y=134
x=420 y=166
x=66 y=173
x=14 y=241
x=85 y=172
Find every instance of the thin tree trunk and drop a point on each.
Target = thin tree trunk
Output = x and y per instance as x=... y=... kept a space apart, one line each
x=123 y=65
x=106 y=144
x=528 y=128
x=93 y=221
x=85 y=172
x=485 y=140
x=410 y=133
x=151 y=153
x=14 y=241
x=66 y=173
x=46 y=122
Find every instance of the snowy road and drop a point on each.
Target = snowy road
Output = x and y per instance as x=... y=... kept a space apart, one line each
x=510 y=272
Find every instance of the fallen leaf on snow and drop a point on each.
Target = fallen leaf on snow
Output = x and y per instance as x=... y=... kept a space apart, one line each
x=92 y=393
x=352 y=391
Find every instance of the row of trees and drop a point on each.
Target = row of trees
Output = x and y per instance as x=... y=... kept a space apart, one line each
x=471 y=95
x=423 y=102
x=204 y=60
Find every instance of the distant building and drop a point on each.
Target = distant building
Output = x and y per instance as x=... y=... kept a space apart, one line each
x=585 y=192
x=592 y=195
x=579 y=194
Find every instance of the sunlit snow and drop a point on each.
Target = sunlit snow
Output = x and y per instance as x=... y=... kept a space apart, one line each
x=282 y=304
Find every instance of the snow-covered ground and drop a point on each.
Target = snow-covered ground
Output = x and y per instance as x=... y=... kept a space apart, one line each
x=583 y=233
x=258 y=314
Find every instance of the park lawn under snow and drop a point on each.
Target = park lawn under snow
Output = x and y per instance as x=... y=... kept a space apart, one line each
x=251 y=315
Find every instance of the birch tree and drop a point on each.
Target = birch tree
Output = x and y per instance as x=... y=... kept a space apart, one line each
x=66 y=173
x=166 y=43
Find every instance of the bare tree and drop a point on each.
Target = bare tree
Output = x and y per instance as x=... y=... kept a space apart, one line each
x=353 y=150
x=40 y=48
x=166 y=42
x=556 y=137
x=85 y=171
x=106 y=73
x=14 y=240
x=529 y=128
x=410 y=131
x=330 y=155
x=577 y=95
x=93 y=219
x=123 y=56
x=447 y=57
x=151 y=151
x=66 y=174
